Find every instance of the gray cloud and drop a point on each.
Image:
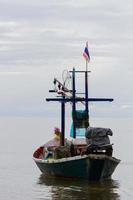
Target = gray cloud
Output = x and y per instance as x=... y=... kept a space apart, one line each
x=38 y=39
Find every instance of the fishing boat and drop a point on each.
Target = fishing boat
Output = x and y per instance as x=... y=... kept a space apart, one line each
x=89 y=153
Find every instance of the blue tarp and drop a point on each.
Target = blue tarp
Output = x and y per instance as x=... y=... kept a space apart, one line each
x=80 y=132
x=80 y=119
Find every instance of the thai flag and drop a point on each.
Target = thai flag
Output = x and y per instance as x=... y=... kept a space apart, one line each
x=86 y=53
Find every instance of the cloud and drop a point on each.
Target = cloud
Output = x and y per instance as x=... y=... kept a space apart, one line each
x=126 y=106
x=8 y=73
x=44 y=37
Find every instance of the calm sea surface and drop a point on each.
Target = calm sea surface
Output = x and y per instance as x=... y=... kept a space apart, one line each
x=20 y=179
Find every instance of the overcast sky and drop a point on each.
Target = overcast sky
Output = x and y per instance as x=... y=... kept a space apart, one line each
x=41 y=38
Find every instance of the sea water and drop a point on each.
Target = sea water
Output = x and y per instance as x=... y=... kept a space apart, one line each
x=20 y=179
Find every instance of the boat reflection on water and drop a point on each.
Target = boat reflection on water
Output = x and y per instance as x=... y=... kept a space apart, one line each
x=62 y=188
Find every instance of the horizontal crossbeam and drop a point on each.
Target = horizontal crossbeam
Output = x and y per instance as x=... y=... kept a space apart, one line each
x=78 y=99
x=80 y=71
x=55 y=91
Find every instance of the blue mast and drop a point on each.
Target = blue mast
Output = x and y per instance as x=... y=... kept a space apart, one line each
x=62 y=122
x=73 y=100
x=86 y=92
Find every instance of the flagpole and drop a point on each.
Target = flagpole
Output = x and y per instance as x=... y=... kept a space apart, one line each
x=87 y=58
x=86 y=88
x=86 y=65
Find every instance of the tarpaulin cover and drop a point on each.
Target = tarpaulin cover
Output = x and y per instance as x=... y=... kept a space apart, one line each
x=98 y=136
x=80 y=118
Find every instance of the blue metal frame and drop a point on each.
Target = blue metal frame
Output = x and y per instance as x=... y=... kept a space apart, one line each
x=78 y=99
x=62 y=122
x=74 y=100
x=86 y=92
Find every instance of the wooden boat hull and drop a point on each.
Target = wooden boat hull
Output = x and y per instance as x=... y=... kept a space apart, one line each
x=90 y=167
